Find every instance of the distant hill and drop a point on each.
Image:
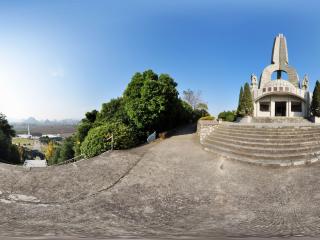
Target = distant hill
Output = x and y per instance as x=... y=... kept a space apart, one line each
x=34 y=121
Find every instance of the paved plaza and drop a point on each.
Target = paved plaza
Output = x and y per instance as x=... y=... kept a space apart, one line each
x=169 y=188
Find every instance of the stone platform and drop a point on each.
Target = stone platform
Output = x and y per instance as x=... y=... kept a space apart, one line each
x=280 y=120
x=267 y=144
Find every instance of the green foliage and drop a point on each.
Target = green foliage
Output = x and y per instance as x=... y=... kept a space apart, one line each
x=197 y=114
x=315 y=104
x=202 y=106
x=151 y=102
x=8 y=152
x=14 y=154
x=207 y=118
x=97 y=140
x=81 y=133
x=67 y=151
x=245 y=107
x=229 y=116
x=4 y=146
x=6 y=128
x=55 y=157
x=91 y=116
x=113 y=111
x=62 y=152
x=240 y=102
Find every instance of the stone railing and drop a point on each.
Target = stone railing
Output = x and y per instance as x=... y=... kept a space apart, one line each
x=205 y=127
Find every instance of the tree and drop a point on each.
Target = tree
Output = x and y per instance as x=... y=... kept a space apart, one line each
x=228 y=116
x=194 y=99
x=113 y=111
x=315 y=103
x=81 y=133
x=6 y=128
x=151 y=101
x=49 y=151
x=67 y=151
x=245 y=107
x=91 y=116
x=240 y=103
x=202 y=106
x=4 y=146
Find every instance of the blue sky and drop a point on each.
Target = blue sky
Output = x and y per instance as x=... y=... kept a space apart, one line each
x=59 y=59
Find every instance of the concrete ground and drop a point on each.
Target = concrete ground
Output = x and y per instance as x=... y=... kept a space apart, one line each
x=167 y=189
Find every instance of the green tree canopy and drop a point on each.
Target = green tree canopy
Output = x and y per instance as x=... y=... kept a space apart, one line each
x=6 y=128
x=315 y=104
x=151 y=101
x=67 y=151
x=113 y=111
x=245 y=107
x=228 y=116
x=240 y=102
x=91 y=116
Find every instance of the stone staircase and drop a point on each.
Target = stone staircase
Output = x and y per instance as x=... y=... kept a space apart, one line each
x=280 y=120
x=266 y=144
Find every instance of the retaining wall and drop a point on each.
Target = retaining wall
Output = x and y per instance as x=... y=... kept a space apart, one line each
x=205 y=127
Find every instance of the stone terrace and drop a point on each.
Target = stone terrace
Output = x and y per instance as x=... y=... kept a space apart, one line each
x=272 y=144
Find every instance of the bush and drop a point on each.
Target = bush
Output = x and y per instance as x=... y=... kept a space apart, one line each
x=67 y=151
x=96 y=141
x=14 y=154
x=207 y=118
x=197 y=114
x=229 y=116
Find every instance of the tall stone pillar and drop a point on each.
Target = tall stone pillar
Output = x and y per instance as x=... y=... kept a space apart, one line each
x=272 y=107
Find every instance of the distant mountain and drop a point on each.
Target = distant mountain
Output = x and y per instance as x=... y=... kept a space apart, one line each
x=34 y=121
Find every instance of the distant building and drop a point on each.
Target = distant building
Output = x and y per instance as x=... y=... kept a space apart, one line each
x=56 y=137
x=28 y=135
x=279 y=96
x=35 y=163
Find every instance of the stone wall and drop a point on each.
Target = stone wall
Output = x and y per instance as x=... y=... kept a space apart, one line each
x=205 y=127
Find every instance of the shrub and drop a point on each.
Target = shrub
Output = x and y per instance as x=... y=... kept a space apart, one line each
x=14 y=154
x=207 y=118
x=228 y=116
x=197 y=114
x=96 y=141
x=67 y=151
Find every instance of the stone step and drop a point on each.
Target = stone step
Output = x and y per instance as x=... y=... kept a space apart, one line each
x=268 y=130
x=265 y=140
x=269 y=137
x=269 y=163
x=262 y=143
x=267 y=133
x=280 y=120
x=267 y=126
x=265 y=151
x=225 y=151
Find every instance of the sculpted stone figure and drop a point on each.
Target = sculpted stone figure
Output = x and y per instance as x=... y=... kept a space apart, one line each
x=305 y=82
x=254 y=80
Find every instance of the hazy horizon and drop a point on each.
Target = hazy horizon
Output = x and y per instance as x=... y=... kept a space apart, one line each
x=60 y=59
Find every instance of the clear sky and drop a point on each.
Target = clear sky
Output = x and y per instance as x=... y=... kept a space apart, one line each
x=59 y=59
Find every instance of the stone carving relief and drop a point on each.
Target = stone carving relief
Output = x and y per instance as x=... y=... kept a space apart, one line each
x=305 y=82
x=254 y=80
